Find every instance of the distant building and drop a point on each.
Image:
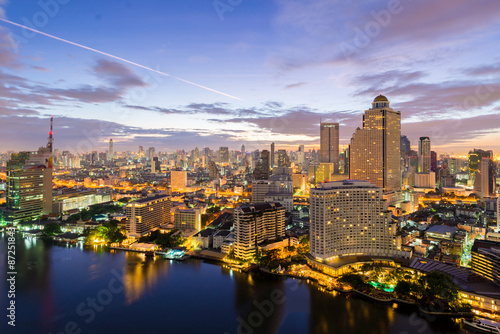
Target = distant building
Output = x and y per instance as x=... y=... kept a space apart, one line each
x=262 y=169
x=485 y=178
x=283 y=159
x=329 y=144
x=178 y=179
x=255 y=225
x=374 y=152
x=475 y=157
x=424 y=155
x=187 y=219
x=224 y=155
x=279 y=188
x=147 y=214
x=425 y=180
x=350 y=218
x=111 y=152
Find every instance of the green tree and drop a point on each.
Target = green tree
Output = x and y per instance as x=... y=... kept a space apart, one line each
x=51 y=229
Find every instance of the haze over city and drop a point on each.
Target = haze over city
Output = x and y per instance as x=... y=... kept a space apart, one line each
x=287 y=64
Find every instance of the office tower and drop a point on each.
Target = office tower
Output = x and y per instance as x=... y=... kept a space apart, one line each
x=374 y=152
x=147 y=214
x=283 y=160
x=141 y=151
x=486 y=259
x=243 y=149
x=261 y=171
x=94 y=158
x=213 y=171
x=178 y=179
x=111 y=153
x=485 y=178
x=424 y=155
x=475 y=157
x=405 y=144
x=453 y=165
x=329 y=144
x=187 y=219
x=433 y=161
x=351 y=218
x=24 y=188
x=155 y=165
x=224 y=155
x=255 y=225
x=301 y=155
x=151 y=153
x=273 y=162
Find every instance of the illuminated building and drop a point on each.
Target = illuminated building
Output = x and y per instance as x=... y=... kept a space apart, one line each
x=475 y=157
x=329 y=144
x=213 y=170
x=350 y=218
x=273 y=163
x=486 y=259
x=324 y=172
x=147 y=214
x=178 y=179
x=261 y=171
x=224 y=155
x=424 y=155
x=374 y=152
x=279 y=188
x=111 y=153
x=283 y=160
x=485 y=178
x=255 y=225
x=187 y=219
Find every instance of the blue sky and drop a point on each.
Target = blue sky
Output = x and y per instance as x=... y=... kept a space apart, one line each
x=290 y=63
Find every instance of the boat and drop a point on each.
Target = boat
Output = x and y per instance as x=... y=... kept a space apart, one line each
x=484 y=325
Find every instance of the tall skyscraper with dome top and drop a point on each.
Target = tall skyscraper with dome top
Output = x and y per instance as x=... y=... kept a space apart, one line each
x=375 y=148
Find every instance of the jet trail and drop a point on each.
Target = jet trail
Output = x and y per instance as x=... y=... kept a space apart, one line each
x=117 y=58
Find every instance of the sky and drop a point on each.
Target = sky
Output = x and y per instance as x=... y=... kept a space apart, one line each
x=258 y=71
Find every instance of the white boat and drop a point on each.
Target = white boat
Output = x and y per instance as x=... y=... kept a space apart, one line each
x=484 y=325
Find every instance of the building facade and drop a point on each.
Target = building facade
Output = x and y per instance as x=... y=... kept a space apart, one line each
x=486 y=259
x=374 y=152
x=255 y=225
x=187 y=219
x=350 y=218
x=424 y=155
x=147 y=214
x=329 y=144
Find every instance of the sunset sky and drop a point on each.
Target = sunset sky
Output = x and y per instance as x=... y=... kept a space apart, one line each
x=289 y=63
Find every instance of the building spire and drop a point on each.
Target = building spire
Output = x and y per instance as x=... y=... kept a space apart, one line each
x=51 y=139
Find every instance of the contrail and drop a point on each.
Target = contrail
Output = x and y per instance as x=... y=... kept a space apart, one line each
x=116 y=57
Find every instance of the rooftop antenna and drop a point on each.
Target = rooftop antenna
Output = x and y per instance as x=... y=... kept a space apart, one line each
x=51 y=139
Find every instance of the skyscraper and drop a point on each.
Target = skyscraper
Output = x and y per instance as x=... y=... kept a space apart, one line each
x=329 y=144
x=283 y=160
x=405 y=144
x=374 y=152
x=151 y=153
x=273 y=163
x=261 y=171
x=475 y=157
x=424 y=155
x=224 y=155
x=110 y=151
x=485 y=178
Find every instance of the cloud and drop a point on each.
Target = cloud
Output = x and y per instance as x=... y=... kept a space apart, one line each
x=483 y=70
x=116 y=74
x=296 y=85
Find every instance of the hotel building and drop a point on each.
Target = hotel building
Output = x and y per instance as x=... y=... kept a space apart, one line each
x=147 y=214
x=255 y=225
x=350 y=218
x=486 y=259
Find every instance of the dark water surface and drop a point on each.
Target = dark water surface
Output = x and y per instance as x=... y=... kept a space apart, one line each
x=84 y=290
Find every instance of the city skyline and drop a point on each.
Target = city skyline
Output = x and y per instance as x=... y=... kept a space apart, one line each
x=257 y=53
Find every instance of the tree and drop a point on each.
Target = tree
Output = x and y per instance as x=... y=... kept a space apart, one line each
x=438 y=284
x=51 y=229
x=403 y=288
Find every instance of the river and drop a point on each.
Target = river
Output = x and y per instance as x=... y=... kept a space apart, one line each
x=76 y=289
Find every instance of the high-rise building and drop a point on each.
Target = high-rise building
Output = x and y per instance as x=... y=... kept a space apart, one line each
x=329 y=144
x=433 y=161
x=283 y=159
x=224 y=155
x=374 y=152
x=475 y=157
x=111 y=153
x=213 y=170
x=155 y=165
x=405 y=144
x=243 y=151
x=351 y=218
x=273 y=162
x=424 y=155
x=151 y=153
x=178 y=179
x=141 y=151
x=486 y=259
x=255 y=225
x=485 y=178
x=147 y=214
x=261 y=171
x=498 y=214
